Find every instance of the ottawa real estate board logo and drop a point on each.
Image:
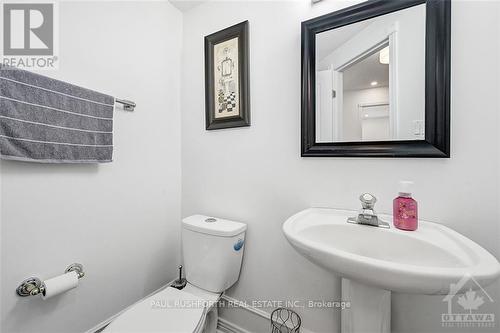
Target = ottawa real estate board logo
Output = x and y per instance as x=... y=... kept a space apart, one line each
x=29 y=35
x=469 y=306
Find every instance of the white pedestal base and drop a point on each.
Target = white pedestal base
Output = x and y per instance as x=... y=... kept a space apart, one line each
x=370 y=310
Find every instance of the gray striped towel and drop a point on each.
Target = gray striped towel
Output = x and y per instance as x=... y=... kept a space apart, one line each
x=50 y=121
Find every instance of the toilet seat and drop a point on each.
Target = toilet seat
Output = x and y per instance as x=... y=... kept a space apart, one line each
x=168 y=311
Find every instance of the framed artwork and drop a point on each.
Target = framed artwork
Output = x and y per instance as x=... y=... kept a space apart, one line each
x=227 y=102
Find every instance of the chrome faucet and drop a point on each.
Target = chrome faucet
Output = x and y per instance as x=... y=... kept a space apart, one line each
x=367 y=214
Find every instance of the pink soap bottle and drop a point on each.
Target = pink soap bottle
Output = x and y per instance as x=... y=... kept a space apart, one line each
x=405 y=210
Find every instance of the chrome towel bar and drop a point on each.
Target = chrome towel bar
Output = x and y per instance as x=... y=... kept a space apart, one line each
x=127 y=105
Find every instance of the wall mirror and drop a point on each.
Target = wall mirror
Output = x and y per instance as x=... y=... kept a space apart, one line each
x=375 y=80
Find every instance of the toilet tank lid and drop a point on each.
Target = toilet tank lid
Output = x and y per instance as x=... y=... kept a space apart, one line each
x=213 y=225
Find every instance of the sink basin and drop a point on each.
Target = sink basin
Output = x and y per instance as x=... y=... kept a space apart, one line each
x=374 y=261
x=425 y=261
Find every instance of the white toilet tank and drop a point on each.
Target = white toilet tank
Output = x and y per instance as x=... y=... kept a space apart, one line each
x=212 y=249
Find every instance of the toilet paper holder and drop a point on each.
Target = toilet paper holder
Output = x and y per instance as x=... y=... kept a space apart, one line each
x=34 y=286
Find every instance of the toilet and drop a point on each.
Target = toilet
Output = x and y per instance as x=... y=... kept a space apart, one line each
x=212 y=251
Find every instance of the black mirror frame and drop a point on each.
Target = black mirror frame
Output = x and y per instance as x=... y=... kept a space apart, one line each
x=437 y=83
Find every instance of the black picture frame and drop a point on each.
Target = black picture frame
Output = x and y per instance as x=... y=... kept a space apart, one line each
x=239 y=30
x=437 y=83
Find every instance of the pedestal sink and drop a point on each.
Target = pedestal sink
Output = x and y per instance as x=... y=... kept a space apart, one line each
x=374 y=261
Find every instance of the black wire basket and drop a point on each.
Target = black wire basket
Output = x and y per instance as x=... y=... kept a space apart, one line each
x=284 y=320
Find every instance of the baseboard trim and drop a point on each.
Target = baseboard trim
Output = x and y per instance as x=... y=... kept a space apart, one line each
x=243 y=305
x=224 y=326
x=106 y=322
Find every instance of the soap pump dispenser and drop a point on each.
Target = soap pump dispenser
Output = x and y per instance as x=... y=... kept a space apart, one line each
x=405 y=209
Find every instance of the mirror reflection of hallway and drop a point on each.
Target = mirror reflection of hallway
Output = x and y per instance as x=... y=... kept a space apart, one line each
x=370 y=79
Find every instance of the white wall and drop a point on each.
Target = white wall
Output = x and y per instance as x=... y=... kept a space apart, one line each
x=120 y=220
x=256 y=174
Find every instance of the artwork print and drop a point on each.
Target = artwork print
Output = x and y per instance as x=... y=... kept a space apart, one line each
x=226 y=79
x=227 y=87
